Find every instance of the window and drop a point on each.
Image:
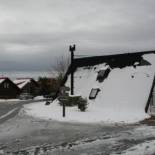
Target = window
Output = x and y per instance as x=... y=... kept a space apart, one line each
x=93 y=93
x=6 y=85
x=103 y=74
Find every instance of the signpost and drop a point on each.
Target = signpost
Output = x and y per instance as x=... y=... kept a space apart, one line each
x=62 y=100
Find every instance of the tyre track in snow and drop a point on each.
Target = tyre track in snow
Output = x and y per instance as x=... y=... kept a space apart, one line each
x=106 y=144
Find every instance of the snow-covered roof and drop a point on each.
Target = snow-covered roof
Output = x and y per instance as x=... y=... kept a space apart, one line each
x=2 y=79
x=21 y=82
x=124 y=94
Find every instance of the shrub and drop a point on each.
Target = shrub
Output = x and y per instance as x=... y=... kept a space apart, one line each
x=74 y=101
x=82 y=104
x=68 y=100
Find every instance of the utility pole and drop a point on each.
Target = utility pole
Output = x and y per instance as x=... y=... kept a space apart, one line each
x=72 y=50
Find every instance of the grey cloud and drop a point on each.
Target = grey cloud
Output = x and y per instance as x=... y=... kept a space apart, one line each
x=38 y=31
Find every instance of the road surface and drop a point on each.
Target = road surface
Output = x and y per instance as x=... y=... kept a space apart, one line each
x=9 y=109
x=24 y=135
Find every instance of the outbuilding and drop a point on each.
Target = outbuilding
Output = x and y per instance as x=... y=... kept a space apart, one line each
x=27 y=85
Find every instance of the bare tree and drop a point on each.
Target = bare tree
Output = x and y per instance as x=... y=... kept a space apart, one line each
x=61 y=65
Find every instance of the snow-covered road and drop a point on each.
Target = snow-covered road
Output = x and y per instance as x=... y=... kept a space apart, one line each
x=26 y=135
x=10 y=108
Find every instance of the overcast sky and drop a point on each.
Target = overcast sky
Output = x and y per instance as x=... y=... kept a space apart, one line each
x=35 y=32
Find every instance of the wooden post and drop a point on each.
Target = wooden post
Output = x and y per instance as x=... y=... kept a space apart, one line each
x=72 y=49
x=64 y=110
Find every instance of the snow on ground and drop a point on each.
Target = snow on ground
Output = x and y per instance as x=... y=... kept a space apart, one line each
x=9 y=100
x=39 y=98
x=54 y=112
x=146 y=148
x=17 y=100
x=122 y=98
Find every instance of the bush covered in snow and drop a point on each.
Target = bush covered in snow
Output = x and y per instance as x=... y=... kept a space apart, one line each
x=82 y=104
x=71 y=101
x=68 y=100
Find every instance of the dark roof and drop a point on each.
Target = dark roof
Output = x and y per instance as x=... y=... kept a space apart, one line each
x=115 y=60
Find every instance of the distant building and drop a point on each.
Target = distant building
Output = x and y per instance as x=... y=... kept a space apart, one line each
x=8 y=89
x=27 y=85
